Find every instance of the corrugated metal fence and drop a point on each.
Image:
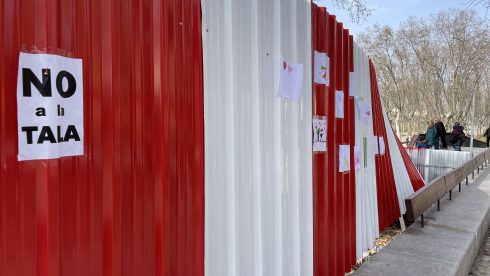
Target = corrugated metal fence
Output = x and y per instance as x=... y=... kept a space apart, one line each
x=144 y=199
x=367 y=227
x=258 y=145
x=134 y=203
x=333 y=191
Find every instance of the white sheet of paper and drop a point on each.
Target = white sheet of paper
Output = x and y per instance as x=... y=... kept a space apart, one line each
x=339 y=104
x=290 y=81
x=50 y=114
x=344 y=158
x=357 y=157
x=381 y=145
x=375 y=145
x=366 y=112
x=319 y=133
x=352 y=84
x=322 y=68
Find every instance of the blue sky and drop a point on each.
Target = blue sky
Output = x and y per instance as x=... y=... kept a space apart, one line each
x=386 y=12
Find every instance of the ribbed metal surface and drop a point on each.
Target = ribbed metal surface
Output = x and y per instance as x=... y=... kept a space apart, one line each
x=334 y=191
x=133 y=204
x=388 y=207
x=367 y=228
x=403 y=183
x=414 y=175
x=258 y=146
x=433 y=163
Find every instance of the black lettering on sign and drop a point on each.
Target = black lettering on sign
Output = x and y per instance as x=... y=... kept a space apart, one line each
x=29 y=78
x=71 y=133
x=72 y=84
x=61 y=111
x=60 y=138
x=46 y=135
x=28 y=130
x=40 y=111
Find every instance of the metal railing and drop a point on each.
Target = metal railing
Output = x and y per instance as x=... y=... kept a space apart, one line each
x=423 y=199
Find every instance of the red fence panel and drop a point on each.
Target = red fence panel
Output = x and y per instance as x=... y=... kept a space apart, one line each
x=321 y=243
x=133 y=203
x=388 y=207
x=333 y=191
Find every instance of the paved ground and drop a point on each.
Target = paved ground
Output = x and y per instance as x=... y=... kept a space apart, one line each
x=481 y=267
x=449 y=242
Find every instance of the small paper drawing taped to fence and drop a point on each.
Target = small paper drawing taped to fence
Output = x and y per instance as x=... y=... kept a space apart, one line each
x=322 y=68
x=290 y=81
x=339 y=104
x=381 y=145
x=352 y=84
x=319 y=133
x=357 y=157
x=365 y=112
x=344 y=158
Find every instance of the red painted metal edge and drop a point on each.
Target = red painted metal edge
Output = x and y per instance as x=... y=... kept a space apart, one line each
x=333 y=192
x=388 y=207
x=352 y=181
x=339 y=193
x=320 y=179
x=413 y=174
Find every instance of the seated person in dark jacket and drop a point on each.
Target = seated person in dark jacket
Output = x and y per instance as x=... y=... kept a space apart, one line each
x=421 y=142
x=458 y=136
x=441 y=132
x=487 y=134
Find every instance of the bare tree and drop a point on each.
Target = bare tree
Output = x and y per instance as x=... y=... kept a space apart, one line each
x=357 y=9
x=431 y=68
x=474 y=3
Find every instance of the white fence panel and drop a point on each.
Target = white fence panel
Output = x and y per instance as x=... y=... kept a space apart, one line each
x=258 y=171
x=367 y=226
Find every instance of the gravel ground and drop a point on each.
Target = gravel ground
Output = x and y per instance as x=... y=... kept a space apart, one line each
x=481 y=267
x=385 y=238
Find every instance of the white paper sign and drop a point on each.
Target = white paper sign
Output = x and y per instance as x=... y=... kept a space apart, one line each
x=381 y=145
x=357 y=157
x=290 y=81
x=352 y=84
x=366 y=112
x=339 y=104
x=375 y=145
x=344 y=158
x=322 y=68
x=49 y=106
x=319 y=133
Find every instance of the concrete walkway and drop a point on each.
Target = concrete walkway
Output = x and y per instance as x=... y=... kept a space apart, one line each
x=481 y=267
x=449 y=242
